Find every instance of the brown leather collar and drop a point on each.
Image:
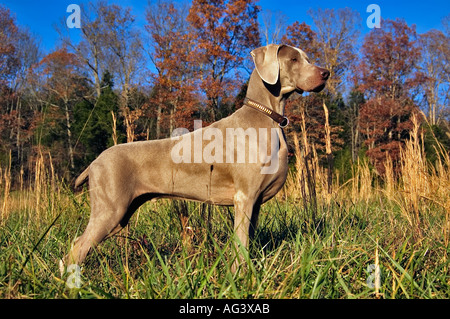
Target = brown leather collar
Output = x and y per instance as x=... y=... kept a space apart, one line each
x=282 y=121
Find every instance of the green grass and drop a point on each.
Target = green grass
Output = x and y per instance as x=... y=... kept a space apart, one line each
x=292 y=254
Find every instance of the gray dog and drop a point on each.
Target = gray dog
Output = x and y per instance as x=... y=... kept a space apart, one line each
x=244 y=173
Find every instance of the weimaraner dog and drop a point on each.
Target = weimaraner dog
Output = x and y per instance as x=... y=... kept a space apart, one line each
x=124 y=176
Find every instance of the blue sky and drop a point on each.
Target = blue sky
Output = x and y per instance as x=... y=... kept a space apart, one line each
x=40 y=16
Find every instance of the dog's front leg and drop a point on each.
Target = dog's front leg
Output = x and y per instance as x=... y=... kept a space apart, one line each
x=243 y=207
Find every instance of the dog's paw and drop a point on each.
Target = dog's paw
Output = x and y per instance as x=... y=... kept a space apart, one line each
x=61 y=267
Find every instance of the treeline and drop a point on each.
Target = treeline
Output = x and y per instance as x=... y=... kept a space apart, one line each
x=119 y=82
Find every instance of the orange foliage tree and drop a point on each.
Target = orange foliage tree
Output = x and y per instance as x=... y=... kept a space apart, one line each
x=174 y=93
x=63 y=85
x=389 y=79
x=8 y=54
x=224 y=32
x=18 y=52
x=8 y=62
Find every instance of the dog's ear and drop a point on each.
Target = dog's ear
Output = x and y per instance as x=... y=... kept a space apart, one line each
x=266 y=62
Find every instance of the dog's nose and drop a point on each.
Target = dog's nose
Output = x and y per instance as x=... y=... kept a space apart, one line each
x=325 y=74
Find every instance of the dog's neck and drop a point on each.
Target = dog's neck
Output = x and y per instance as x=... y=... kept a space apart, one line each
x=268 y=95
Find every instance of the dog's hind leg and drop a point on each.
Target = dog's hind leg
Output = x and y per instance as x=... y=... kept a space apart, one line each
x=98 y=228
x=104 y=222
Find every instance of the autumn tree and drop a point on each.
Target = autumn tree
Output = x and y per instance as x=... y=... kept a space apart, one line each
x=90 y=48
x=224 y=32
x=19 y=51
x=273 y=26
x=63 y=87
x=174 y=86
x=8 y=50
x=336 y=32
x=435 y=61
x=123 y=44
x=300 y=35
x=388 y=78
x=124 y=48
x=109 y=41
x=8 y=64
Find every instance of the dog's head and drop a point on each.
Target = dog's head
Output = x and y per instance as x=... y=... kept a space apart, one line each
x=290 y=67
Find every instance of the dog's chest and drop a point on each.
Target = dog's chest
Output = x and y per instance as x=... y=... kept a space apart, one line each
x=275 y=182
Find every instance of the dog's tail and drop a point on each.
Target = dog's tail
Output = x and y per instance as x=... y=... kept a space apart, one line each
x=82 y=178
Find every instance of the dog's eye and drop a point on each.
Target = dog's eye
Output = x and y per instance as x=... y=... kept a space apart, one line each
x=294 y=59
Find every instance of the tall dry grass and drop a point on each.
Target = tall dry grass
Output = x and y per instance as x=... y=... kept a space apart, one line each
x=36 y=197
x=419 y=191
x=421 y=186
x=311 y=182
x=5 y=183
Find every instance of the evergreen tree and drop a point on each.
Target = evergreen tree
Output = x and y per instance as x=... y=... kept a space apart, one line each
x=94 y=123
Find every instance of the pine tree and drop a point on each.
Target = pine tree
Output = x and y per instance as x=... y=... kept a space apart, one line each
x=94 y=123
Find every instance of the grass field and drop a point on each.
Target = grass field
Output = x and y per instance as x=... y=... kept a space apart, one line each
x=368 y=237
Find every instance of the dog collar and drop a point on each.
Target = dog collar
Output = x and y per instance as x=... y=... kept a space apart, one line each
x=282 y=121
